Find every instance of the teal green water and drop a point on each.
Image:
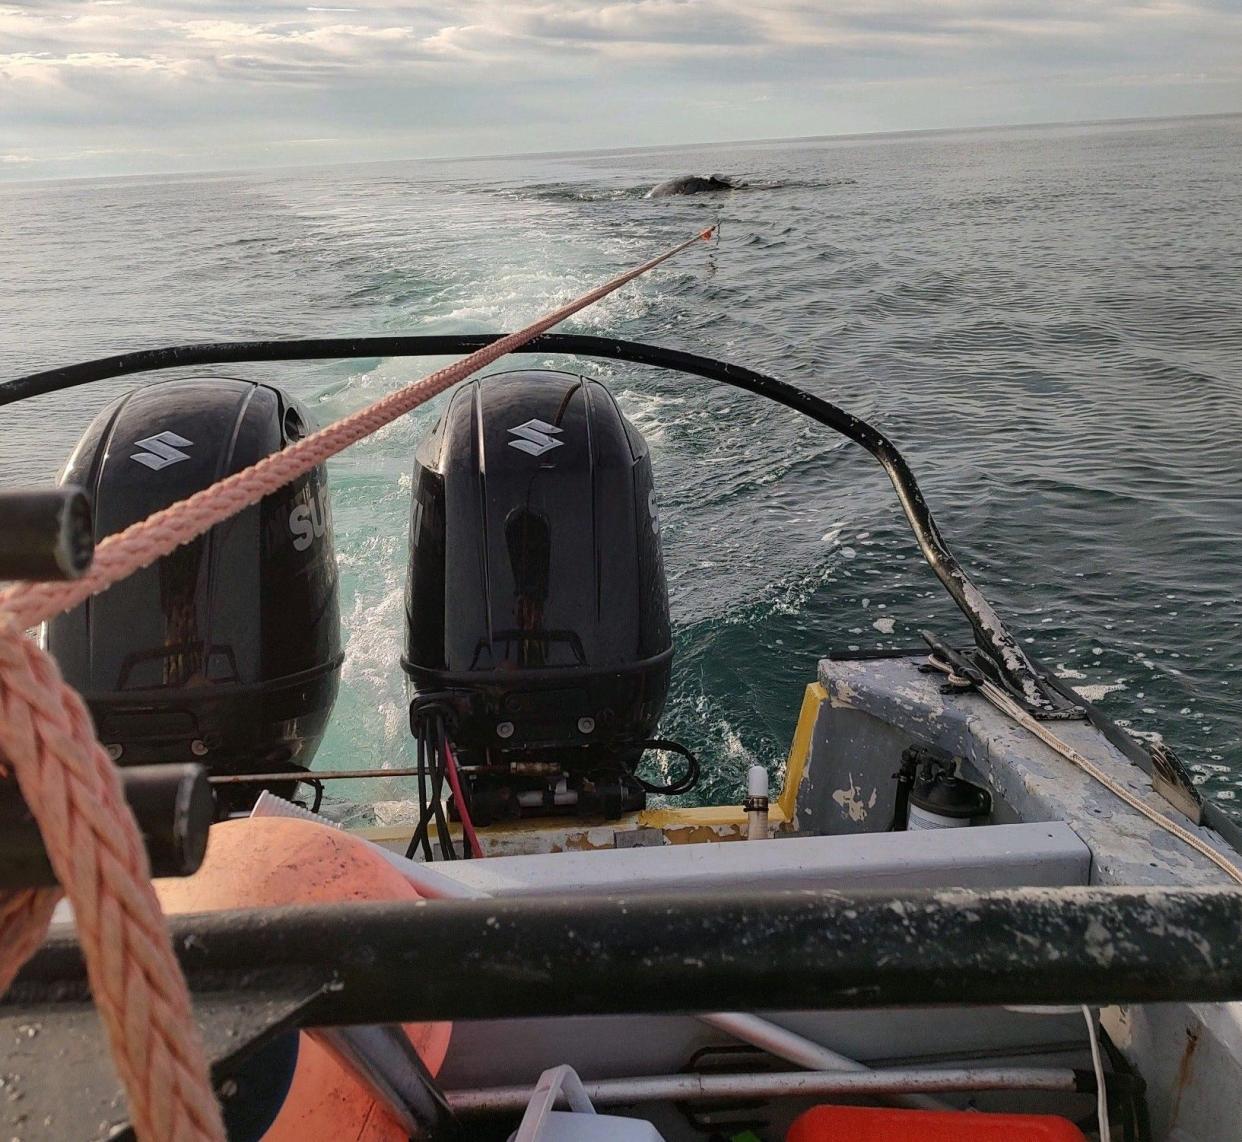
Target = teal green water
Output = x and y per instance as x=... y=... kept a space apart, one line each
x=1047 y=321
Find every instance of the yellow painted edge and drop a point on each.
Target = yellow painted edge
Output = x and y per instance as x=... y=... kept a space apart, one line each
x=800 y=749
x=702 y=815
x=713 y=816
x=382 y=834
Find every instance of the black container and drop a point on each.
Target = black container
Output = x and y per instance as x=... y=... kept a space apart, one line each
x=536 y=606
x=944 y=799
x=227 y=651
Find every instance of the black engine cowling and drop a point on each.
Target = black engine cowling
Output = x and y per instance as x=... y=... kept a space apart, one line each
x=536 y=606
x=227 y=651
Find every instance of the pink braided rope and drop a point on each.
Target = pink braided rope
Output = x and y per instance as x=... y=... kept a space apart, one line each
x=75 y=794
x=97 y=853
x=142 y=543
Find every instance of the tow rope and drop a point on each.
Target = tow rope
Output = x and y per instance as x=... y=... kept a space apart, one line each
x=74 y=791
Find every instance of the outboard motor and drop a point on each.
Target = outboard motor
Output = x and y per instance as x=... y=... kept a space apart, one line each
x=226 y=652
x=537 y=616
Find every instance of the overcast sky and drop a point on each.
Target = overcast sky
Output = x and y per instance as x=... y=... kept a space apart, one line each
x=123 y=86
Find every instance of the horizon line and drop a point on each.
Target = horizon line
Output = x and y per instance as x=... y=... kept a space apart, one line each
x=633 y=148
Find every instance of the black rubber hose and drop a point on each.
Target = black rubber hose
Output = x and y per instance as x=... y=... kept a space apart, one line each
x=420 y=836
x=683 y=784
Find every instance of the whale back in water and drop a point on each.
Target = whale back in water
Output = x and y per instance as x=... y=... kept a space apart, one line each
x=690 y=184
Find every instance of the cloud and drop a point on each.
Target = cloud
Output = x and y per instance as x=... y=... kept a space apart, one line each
x=199 y=39
x=239 y=74
x=44 y=67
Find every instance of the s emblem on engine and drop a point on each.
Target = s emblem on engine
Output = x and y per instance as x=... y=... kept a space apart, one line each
x=310 y=520
x=535 y=437
x=162 y=449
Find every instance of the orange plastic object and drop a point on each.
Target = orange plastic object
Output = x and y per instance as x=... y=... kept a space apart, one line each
x=275 y=860
x=882 y=1124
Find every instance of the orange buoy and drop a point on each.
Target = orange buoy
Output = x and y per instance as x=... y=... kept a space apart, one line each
x=261 y=861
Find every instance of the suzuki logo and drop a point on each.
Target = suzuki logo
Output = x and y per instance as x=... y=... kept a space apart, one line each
x=534 y=437
x=162 y=449
x=309 y=521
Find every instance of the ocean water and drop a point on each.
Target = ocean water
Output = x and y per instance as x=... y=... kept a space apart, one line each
x=1047 y=321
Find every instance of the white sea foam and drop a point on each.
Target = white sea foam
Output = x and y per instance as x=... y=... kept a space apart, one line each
x=1096 y=691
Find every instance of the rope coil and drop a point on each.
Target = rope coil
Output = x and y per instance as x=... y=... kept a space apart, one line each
x=47 y=741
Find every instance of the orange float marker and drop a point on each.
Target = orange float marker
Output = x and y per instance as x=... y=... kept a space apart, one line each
x=266 y=861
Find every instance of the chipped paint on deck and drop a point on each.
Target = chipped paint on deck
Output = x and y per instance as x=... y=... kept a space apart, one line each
x=850 y=800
